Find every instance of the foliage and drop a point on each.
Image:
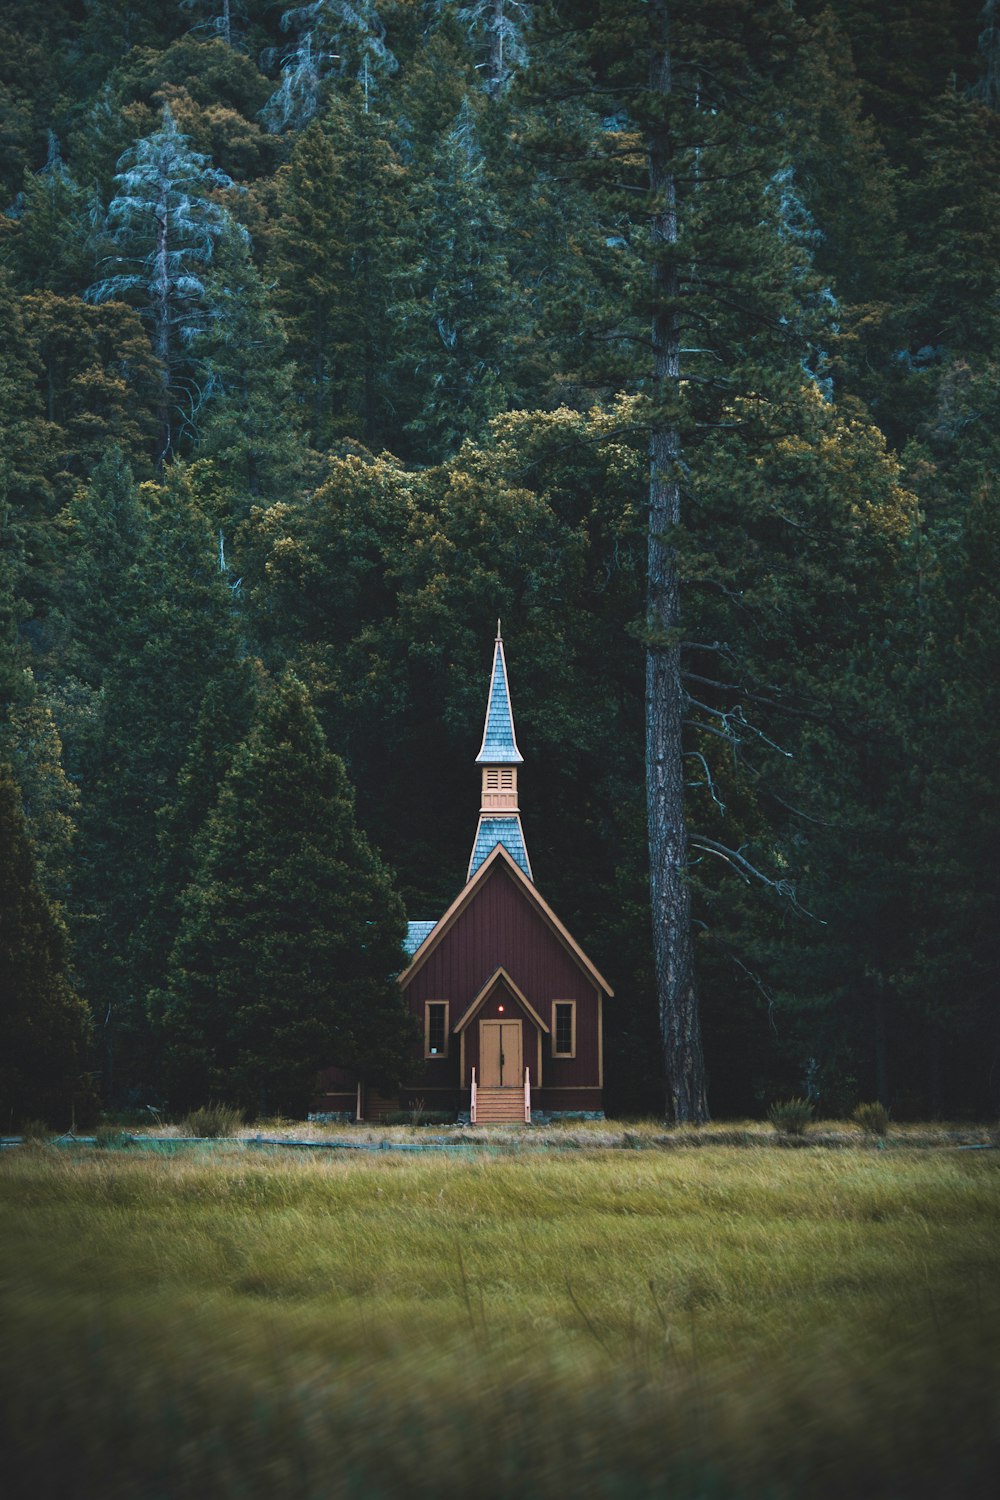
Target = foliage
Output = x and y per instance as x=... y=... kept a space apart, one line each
x=791 y=1116
x=379 y=288
x=212 y=1121
x=44 y=1024
x=873 y=1119
x=291 y=930
x=163 y=227
x=109 y=1137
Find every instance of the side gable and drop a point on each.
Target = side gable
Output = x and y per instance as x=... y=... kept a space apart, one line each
x=500 y=862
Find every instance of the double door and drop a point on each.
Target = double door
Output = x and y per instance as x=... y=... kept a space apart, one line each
x=501 y=1055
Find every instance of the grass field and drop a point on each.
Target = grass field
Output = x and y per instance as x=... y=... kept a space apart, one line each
x=711 y=1322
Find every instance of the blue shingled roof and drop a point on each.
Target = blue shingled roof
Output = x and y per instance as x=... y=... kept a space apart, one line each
x=415 y=934
x=493 y=831
x=499 y=745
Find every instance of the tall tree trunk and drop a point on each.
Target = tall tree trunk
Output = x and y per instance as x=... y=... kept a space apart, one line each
x=680 y=1026
x=494 y=86
x=161 y=328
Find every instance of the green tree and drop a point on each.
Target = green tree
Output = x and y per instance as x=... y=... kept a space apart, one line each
x=49 y=231
x=331 y=261
x=44 y=1025
x=291 y=932
x=334 y=39
x=164 y=226
x=500 y=30
x=33 y=746
x=710 y=300
x=456 y=310
x=244 y=415
x=175 y=634
x=98 y=381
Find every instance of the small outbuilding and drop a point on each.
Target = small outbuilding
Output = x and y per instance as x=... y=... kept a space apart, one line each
x=509 y=1006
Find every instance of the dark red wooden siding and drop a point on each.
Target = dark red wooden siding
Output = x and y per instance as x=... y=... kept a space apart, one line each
x=501 y=926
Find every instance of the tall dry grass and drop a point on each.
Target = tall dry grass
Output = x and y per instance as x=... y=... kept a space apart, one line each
x=713 y=1323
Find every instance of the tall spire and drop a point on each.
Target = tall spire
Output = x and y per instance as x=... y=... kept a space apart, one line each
x=499 y=747
x=499 y=815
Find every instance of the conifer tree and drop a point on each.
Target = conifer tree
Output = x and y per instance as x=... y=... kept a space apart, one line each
x=709 y=302
x=177 y=633
x=332 y=259
x=334 y=39
x=53 y=222
x=164 y=226
x=291 y=930
x=499 y=29
x=457 y=312
x=33 y=746
x=44 y=1025
x=245 y=416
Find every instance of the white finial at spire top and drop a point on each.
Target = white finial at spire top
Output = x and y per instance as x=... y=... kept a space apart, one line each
x=498 y=630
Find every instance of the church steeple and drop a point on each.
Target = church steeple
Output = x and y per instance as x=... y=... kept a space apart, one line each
x=499 y=815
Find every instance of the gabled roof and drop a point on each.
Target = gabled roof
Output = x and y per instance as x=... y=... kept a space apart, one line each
x=467 y=894
x=500 y=976
x=499 y=747
x=505 y=830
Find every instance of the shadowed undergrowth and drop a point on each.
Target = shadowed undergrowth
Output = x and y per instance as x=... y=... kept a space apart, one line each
x=708 y=1323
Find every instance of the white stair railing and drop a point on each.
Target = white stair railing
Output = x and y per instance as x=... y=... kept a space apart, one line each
x=527 y=1096
x=472 y=1106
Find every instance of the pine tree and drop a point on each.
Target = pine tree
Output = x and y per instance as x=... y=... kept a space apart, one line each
x=52 y=227
x=165 y=227
x=33 y=747
x=335 y=39
x=456 y=311
x=44 y=1025
x=711 y=300
x=176 y=634
x=245 y=416
x=332 y=258
x=499 y=29
x=291 y=930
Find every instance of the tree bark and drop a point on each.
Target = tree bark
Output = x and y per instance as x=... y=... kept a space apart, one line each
x=680 y=1026
x=161 y=322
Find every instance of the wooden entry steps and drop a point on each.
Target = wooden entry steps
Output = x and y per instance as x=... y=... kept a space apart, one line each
x=499 y=1106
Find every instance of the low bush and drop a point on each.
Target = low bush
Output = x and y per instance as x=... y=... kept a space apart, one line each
x=212 y=1121
x=33 y=1132
x=873 y=1119
x=791 y=1116
x=110 y=1137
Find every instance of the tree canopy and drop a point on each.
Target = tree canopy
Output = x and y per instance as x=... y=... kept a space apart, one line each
x=667 y=333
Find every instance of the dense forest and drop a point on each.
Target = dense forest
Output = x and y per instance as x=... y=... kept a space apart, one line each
x=667 y=332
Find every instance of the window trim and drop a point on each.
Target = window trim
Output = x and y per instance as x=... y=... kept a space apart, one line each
x=572 y=1028
x=446 y=1006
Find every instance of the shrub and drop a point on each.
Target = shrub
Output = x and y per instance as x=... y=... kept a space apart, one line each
x=110 y=1137
x=791 y=1116
x=873 y=1118
x=212 y=1121
x=34 y=1131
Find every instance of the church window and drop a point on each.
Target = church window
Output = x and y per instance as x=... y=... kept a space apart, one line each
x=436 y=1028
x=564 y=1028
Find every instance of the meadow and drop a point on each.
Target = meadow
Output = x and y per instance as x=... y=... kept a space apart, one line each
x=715 y=1322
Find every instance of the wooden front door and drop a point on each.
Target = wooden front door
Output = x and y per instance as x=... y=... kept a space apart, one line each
x=501 y=1060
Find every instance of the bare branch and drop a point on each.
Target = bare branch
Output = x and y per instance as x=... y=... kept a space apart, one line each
x=749 y=872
